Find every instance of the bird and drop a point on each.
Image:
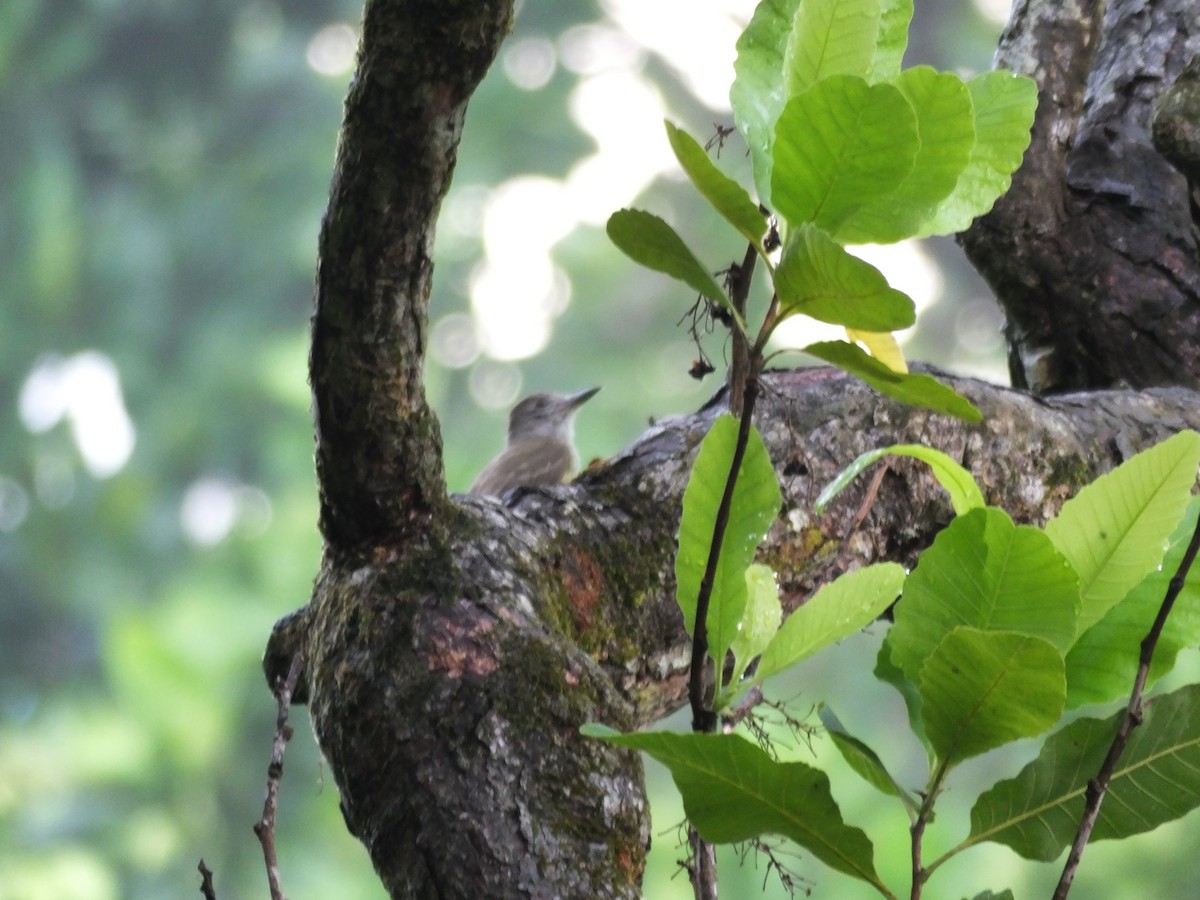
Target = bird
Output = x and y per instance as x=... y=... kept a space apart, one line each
x=540 y=448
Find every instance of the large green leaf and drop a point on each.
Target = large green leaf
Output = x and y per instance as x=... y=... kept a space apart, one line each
x=1115 y=530
x=1157 y=780
x=732 y=791
x=647 y=239
x=1004 y=107
x=985 y=572
x=840 y=608
x=756 y=501
x=915 y=390
x=831 y=37
x=727 y=196
x=894 y=19
x=865 y=761
x=1102 y=663
x=840 y=145
x=982 y=689
x=958 y=482
x=888 y=672
x=759 y=89
x=818 y=278
x=946 y=127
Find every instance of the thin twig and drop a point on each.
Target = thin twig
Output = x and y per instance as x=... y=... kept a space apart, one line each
x=741 y=709
x=743 y=392
x=917 y=832
x=740 y=277
x=703 y=718
x=206 y=883
x=744 y=372
x=265 y=827
x=1098 y=786
x=703 y=870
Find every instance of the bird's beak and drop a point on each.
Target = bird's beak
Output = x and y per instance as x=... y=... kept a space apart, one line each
x=574 y=401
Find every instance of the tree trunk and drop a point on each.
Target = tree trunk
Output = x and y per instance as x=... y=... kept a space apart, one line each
x=454 y=645
x=1093 y=252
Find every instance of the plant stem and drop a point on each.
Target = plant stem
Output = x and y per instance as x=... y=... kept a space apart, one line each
x=743 y=375
x=739 y=365
x=745 y=367
x=917 y=830
x=1098 y=786
x=703 y=872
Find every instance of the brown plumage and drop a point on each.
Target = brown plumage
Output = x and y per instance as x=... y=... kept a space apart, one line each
x=540 y=448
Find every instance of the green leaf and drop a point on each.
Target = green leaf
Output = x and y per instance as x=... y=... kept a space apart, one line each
x=1115 y=530
x=759 y=624
x=818 y=278
x=647 y=239
x=958 y=482
x=1102 y=663
x=732 y=791
x=1157 y=780
x=840 y=608
x=982 y=689
x=915 y=390
x=727 y=196
x=865 y=761
x=756 y=502
x=840 y=145
x=946 y=128
x=759 y=89
x=888 y=672
x=984 y=572
x=1004 y=107
x=831 y=37
x=894 y=19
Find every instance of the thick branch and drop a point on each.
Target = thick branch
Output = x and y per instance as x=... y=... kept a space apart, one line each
x=454 y=647
x=1093 y=252
x=379 y=460
x=447 y=687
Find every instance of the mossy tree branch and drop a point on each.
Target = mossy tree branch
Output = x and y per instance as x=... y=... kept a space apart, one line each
x=455 y=645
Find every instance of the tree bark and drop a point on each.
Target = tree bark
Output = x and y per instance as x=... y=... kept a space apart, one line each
x=454 y=645
x=1093 y=252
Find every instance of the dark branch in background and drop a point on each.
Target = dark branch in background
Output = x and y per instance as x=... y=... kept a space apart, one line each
x=1133 y=717
x=206 y=883
x=265 y=827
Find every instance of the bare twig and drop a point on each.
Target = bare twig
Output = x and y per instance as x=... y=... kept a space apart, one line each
x=743 y=392
x=741 y=709
x=703 y=868
x=744 y=372
x=265 y=827
x=919 y=873
x=1098 y=786
x=206 y=883
x=740 y=368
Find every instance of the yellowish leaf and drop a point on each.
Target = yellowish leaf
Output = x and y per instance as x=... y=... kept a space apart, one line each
x=881 y=345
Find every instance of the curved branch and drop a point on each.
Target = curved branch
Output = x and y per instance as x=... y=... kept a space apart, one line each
x=379 y=460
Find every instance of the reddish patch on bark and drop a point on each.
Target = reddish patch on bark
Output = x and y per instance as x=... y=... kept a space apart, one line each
x=457 y=642
x=583 y=580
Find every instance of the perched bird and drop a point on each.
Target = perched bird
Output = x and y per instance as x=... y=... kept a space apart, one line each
x=541 y=444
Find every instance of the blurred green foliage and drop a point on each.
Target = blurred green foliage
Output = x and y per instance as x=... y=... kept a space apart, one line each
x=165 y=165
